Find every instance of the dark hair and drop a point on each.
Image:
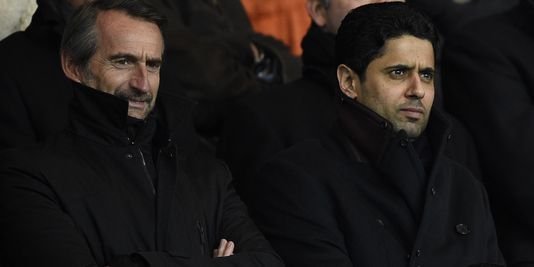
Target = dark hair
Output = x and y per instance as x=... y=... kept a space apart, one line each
x=79 y=41
x=365 y=30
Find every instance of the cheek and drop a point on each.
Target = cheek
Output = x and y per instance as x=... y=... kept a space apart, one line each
x=429 y=98
x=154 y=82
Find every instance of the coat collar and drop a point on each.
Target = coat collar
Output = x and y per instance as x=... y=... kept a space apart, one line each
x=104 y=117
x=370 y=135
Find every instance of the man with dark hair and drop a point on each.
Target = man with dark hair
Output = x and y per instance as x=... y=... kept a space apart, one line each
x=379 y=189
x=124 y=184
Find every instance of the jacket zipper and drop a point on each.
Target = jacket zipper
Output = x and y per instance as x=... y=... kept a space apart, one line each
x=203 y=241
x=147 y=174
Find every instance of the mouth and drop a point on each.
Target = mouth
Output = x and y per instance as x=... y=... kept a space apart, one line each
x=137 y=104
x=413 y=113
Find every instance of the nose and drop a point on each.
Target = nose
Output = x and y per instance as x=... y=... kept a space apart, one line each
x=139 y=79
x=415 y=87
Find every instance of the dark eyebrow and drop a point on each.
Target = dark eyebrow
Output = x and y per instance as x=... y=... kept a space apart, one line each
x=154 y=60
x=129 y=57
x=428 y=70
x=399 y=67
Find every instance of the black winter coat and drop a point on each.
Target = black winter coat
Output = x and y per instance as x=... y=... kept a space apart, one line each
x=372 y=198
x=489 y=82
x=89 y=196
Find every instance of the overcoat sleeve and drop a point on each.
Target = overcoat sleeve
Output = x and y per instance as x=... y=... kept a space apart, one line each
x=294 y=212
x=35 y=230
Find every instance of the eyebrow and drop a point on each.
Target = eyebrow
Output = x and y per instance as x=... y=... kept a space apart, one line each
x=406 y=67
x=133 y=58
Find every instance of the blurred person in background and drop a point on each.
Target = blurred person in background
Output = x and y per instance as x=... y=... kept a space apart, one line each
x=488 y=81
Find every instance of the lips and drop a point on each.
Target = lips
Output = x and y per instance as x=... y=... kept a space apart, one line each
x=414 y=113
x=137 y=104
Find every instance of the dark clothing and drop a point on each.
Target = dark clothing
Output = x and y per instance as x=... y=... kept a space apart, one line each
x=364 y=198
x=209 y=58
x=29 y=112
x=451 y=15
x=89 y=197
x=262 y=125
x=489 y=70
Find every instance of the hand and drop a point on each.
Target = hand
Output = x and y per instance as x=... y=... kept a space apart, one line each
x=226 y=248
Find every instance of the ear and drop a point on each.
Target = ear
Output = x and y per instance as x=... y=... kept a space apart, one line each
x=317 y=12
x=349 y=81
x=71 y=70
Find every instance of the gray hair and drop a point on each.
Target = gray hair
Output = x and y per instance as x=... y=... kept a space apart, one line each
x=79 y=41
x=326 y=3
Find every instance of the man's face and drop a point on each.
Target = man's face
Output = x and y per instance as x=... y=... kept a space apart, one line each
x=127 y=61
x=399 y=85
x=338 y=9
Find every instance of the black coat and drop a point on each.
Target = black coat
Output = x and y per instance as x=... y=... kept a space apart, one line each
x=373 y=198
x=34 y=90
x=93 y=194
x=489 y=82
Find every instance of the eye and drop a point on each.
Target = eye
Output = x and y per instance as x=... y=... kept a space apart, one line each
x=397 y=73
x=153 y=66
x=427 y=76
x=122 y=62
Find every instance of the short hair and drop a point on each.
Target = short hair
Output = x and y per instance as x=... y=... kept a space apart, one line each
x=326 y=3
x=364 y=31
x=79 y=41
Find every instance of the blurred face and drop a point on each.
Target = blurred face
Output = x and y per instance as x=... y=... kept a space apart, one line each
x=127 y=61
x=338 y=9
x=399 y=85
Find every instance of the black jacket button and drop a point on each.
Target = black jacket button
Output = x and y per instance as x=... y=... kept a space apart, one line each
x=379 y=221
x=462 y=229
x=129 y=156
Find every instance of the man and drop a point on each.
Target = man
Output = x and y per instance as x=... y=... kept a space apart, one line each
x=378 y=190
x=262 y=125
x=489 y=80
x=124 y=184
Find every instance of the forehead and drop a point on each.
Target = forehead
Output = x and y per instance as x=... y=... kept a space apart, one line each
x=407 y=50
x=118 y=30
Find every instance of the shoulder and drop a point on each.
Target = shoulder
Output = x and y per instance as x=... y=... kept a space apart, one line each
x=309 y=163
